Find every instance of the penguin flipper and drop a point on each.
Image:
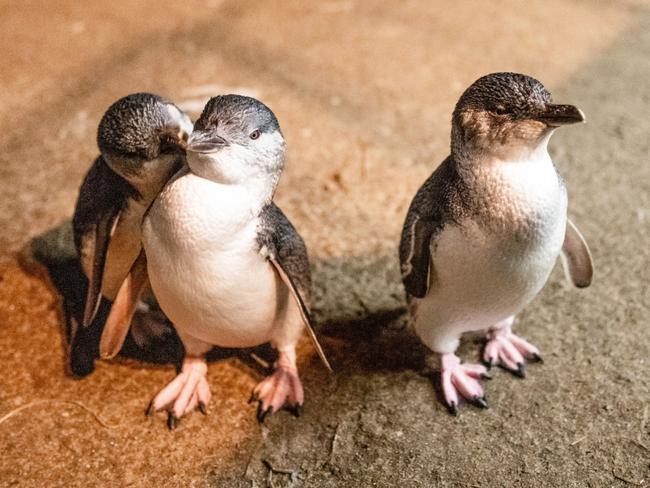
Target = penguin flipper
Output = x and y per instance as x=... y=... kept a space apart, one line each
x=304 y=312
x=281 y=244
x=119 y=319
x=100 y=239
x=416 y=266
x=437 y=201
x=576 y=257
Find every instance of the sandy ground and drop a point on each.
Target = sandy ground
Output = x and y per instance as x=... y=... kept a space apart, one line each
x=364 y=92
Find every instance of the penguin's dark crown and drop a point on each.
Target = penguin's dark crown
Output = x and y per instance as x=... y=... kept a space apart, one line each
x=135 y=126
x=239 y=112
x=501 y=94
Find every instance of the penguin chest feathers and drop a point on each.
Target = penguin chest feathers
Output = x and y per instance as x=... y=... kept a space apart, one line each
x=497 y=256
x=521 y=203
x=204 y=262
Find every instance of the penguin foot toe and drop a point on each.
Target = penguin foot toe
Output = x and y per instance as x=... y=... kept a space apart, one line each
x=509 y=351
x=188 y=391
x=282 y=389
x=462 y=381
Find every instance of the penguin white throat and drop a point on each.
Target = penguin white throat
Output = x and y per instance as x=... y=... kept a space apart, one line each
x=519 y=187
x=488 y=150
x=257 y=169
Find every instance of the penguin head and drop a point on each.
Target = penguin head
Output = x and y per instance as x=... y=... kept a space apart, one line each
x=237 y=140
x=141 y=134
x=507 y=115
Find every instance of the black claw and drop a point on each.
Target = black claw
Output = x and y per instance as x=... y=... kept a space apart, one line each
x=486 y=376
x=150 y=410
x=537 y=358
x=172 y=421
x=202 y=408
x=253 y=398
x=480 y=402
x=520 y=371
x=487 y=364
x=453 y=409
x=295 y=410
x=262 y=414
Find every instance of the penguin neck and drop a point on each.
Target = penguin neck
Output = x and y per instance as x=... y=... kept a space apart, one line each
x=257 y=178
x=472 y=160
x=151 y=176
x=507 y=193
x=259 y=191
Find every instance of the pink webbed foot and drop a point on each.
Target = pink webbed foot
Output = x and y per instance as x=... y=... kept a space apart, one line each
x=462 y=379
x=509 y=350
x=186 y=392
x=282 y=389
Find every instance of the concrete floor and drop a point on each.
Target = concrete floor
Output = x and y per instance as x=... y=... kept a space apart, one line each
x=364 y=93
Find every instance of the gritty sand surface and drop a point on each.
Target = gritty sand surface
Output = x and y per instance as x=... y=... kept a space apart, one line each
x=364 y=92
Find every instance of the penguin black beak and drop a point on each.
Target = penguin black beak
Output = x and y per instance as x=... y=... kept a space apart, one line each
x=205 y=142
x=172 y=140
x=557 y=115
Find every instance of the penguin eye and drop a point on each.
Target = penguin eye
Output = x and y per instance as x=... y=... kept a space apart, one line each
x=255 y=134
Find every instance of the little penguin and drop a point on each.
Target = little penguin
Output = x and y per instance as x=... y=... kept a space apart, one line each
x=141 y=138
x=484 y=231
x=226 y=265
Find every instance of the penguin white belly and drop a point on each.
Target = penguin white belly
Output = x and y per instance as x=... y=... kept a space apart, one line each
x=204 y=267
x=483 y=273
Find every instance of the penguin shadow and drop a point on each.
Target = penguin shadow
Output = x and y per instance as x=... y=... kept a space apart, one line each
x=359 y=310
x=62 y=271
x=52 y=258
x=384 y=342
x=380 y=341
